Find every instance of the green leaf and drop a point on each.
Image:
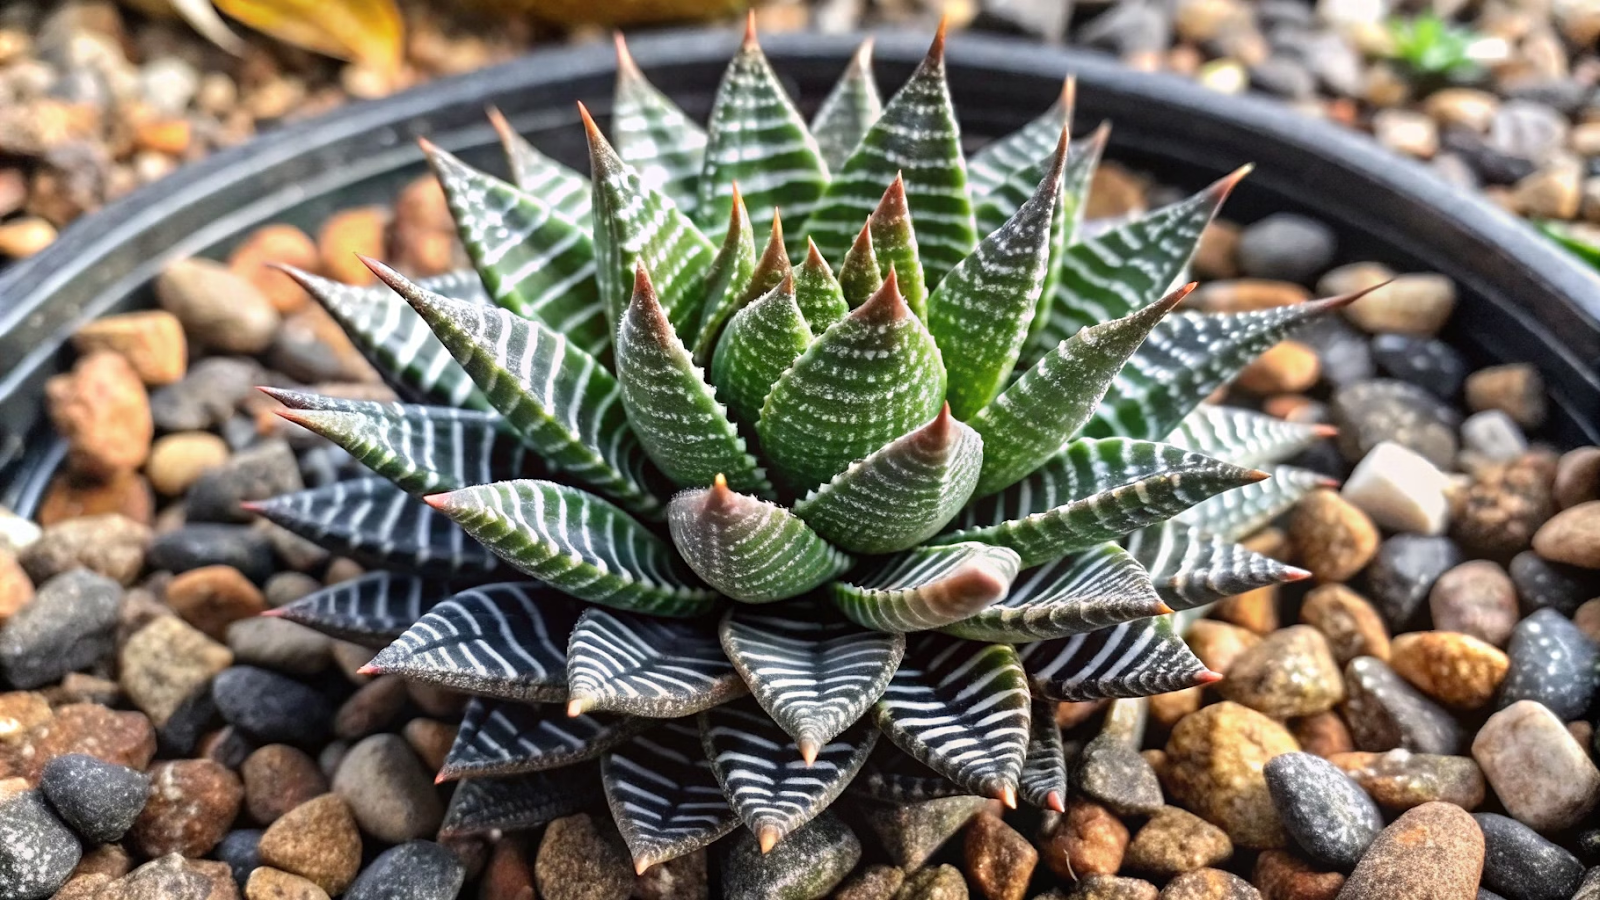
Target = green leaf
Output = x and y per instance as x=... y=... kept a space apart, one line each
x=814 y=675
x=646 y=666
x=683 y=428
x=979 y=314
x=1073 y=595
x=849 y=110
x=727 y=279
x=962 y=709
x=894 y=245
x=423 y=449
x=1190 y=569
x=565 y=191
x=859 y=276
x=758 y=346
x=577 y=543
x=752 y=550
x=534 y=260
x=1140 y=658
x=561 y=401
x=1242 y=436
x=818 y=293
x=663 y=796
x=371 y=610
x=870 y=378
x=917 y=135
x=928 y=587
x=1044 y=769
x=1241 y=512
x=1040 y=412
x=520 y=802
x=635 y=224
x=758 y=139
x=901 y=494
x=769 y=786
x=998 y=172
x=654 y=137
x=499 y=737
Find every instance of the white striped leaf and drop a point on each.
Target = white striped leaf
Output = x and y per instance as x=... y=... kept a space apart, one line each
x=901 y=494
x=563 y=189
x=870 y=378
x=760 y=343
x=813 y=675
x=396 y=340
x=749 y=549
x=918 y=136
x=1095 y=491
x=379 y=525
x=500 y=737
x=423 y=449
x=859 y=275
x=849 y=110
x=1239 y=513
x=654 y=137
x=371 y=610
x=577 y=543
x=891 y=776
x=771 y=789
x=1044 y=769
x=663 y=795
x=961 y=708
x=727 y=279
x=520 y=802
x=500 y=640
x=757 y=138
x=561 y=401
x=926 y=587
x=675 y=414
x=1073 y=595
x=534 y=260
x=1243 y=437
x=817 y=292
x=980 y=313
x=1190 y=569
x=1134 y=659
x=644 y=666
x=894 y=247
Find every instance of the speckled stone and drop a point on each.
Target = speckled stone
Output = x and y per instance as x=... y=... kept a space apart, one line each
x=934 y=883
x=999 y=861
x=1536 y=767
x=1384 y=712
x=316 y=840
x=878 y=882
x=1400 y=780
x=1476 y=598
x=1433 y=852
x=1110 y=887
x=1456 y=669
x=415 y=870
x=1553 y=662
x=1325 y=812
x=1541 y=583
x=1215 y=762
x=100 y=800
x=913 y=832
x=1112 y=772
x=1404 y=571
x=1521 y=865
x=806 y=865
x=1209 y=884
x=1175 y=841
x=1087 y=839
x=582 y=857
x=1590 y=888
x=37 y=852
x=1291 y=673
x=1348 y=620
x=192 y=802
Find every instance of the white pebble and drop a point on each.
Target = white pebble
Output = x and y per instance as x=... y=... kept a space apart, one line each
x=15 y=531
x=1400 y=490
x=1537 y=769
x=1493 y=436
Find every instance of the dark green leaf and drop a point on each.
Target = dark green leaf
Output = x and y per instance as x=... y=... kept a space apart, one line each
x=567 y=192
x=727 y=279
x=859 y=276
x=371 y=610
x=499 y=737
x=818 y=293
x=1243 y=437
x=758 y=346
x=1239 y=513
x=664 y=146
x=1073 y=595
x=520 y=802
x=1044 y=769
x=663 y=796
x=1190 y=569
x=849 y=110
x=1134 y=659
x=646 y=666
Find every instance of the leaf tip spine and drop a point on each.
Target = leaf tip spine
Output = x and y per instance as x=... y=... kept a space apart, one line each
x=767 y=838
x=1206 y=676
x=1295 y=573
x=1054 y=803
x=808 y=750
x=576 y=706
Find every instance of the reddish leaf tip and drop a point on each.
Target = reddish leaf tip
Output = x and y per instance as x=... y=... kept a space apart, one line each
x=862 y=59
x=1325 y=431
x=369 y=669
x=1344 y=300
x=767 y=837
x=252 y=506
x=936 y=49
x=814 y=256
x=1069 y=98
x=438 y=501
x=1162 y=609
x=1295 y=573
x=1054 y=803
x=887 y=304
x=1206 y=676
x=626 y=67
x=808 y=750
x=1008 y=796
x=428 y=147
x=1225 y=185
x=641 y=866
x=276 y=613
x=577 y=706
x=589 y=127
x=750 y=40
x=1252 y=476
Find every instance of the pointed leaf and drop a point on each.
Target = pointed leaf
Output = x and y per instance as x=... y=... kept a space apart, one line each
x=644 y=666
x=813 y=675
x=1041 y=411
x=849 y=110
x=752 y=550
x=727 y=279
x=534 y=260
x=1134 y=659
x=1241 y=512
x=928 y=587
x=370 y=610
x=1190 y=569
x=379 y=525
x=1044 y=769
x=663 y=796
x=683 y=428
x=961 y=708
x=561 y=401
x=520 y=802
x=500 y=640
x=654 y=137
x=578 y=544
x=563 y=189
x=859 y=275
x=758 y=346
x=818 y=293
x=901 y=494
x=1095 y=491
x=1073 y=595
x=1243 y=437
x=979 y=315
x=894 y=246
x=917 y=135
x=996 y=174
x=499 y=737
x=869 y=379
x=771 y=789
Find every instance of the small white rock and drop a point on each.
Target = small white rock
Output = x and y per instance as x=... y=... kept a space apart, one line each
x=15 y=531
x=1536 y=767
x=1400 y=490
x=1493 y=436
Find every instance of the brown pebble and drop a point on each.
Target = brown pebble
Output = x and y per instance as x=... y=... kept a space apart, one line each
x=1587 y=618
x=1088 y=840
x=1476 y=598
x=431 y=739
x=1071 y=714
x=178 y=460
x=999 y=860
x=1290 y=673
x=110 y=544
x=278 y=778
x=1572 y=536
x=1216 y=757
x=1287 y=367
x=110 y=860
x=150 y=340
x=256 y=258
x=1333 y=538
x=873 y=883
x=192 y=804
x=1323 y=734
x=1216 y=255
x=373 y=706
x=1432 y=852
x=16 y=588
x=348 y=233
x=1455 y=669
x=509 y=875
x=1280 y=875
x=22 y=237
x=20 y=712
x=1255 y=610
x=1348 y=620
x=1577 y=477
x=174 y=877
x=581 y=857
x=1175 y=841
x=1514 y=388
x=218 y=309
x=81 y=687
x=166 y=662
x=103 y=412
x=1218 y=644
x=1112 y=887
x=1209 y=884
x=213 y=597
x=317 y=840
x=267 y=883
x=1400 y=780
x=124 y=738
x=71 y=496
x=1496 y=514
x=1167 y=709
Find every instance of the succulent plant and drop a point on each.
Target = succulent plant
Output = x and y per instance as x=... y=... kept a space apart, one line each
x=699 y=524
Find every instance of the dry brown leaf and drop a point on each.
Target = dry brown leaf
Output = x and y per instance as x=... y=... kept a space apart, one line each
x=371 y=32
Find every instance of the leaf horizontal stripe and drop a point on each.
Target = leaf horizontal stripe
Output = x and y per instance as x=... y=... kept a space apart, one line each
x=663 y=795
x=1239 y=513
x=654 y=136
x=749 y=549
x=1242 y=436
x=759 y=344
x=892 y=776
x=372 y=609
x=1190 y=569
x=563 y=189
x=643 y=666
x=727 y=279
x=1134 y=659
x=520 y=802
x=506 y=738
x=849 y=110
x=927 y=587
x=1072 y=595
x=1044 y=769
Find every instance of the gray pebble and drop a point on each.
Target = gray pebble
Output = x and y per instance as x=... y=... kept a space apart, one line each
x=241 y=850
x=1541 y=583
x=805 y=865
x=1553 y=662
x=207 y=394
x=392 y=797
x=265 y=470
x=416 y=870
x=1385 y=712
x=271 y=707
x=1286 y=246
x=280 y=645
x=1326 y=812
x=100 y=800
x=1111 y=771
x=37 y=852
x=193 y=546
x=1428 y=363
x=1521 y=865
x=1403 y=572
x=71 y=624
x=1370 y=412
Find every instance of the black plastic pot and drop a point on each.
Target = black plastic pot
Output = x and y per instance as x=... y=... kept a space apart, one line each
x=1521 y=298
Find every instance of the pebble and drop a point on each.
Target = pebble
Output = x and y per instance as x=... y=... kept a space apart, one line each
x=1521 y=865
x=1209 y=884
x=392 y=797
x=265 y=470
x=110 y=544
x=1491 y=436
x=1577 y=477
x=1175 y=841
x=1111 y=771
x=218 y=309
x=279 y=645
x=267 y=883
x=177 y=460
x=1590 y=888
x=283 y=588
x=103 y=412
x=350 y=232
x=1351 y=625
x=192 y=802
x=278 y=778
x=373 y=706
x=150 y=340
x=1515 y=389
x=1400 y=490
x=878 y=882
x=1572 y=536
x=1287 y=247
x=1286 y=367
x=206 y=396
x=1217 y=644
x=1280 y=875
x=1428 y=363
x=1537 y=768
x=1416 y=303
x=1405 y=570
x=193 y=546
x=271 y=707
x=1587 y=619
x=1553 y=662
x=1344 y=353
x=1110 y=887
x=213 y=597
x=124 y=738
x=430 y=739
x=1087 y=839
x=241 y=851
x=1458 y=670
x=317 y=840
x=24 y=236
x=71 y=624
x=70 y=496
x=1291 y=673
x=1335 y=540
x=1323 y=810
x=943 y=882
x=174 y=877
x=1215 y=762
x=166 y=663
x=37 y=852
x=805 y=865
x=1523 y=129
x=1323 y=734
x=99 y=800
x=1496 y=516
x=1384 y=712
x=280 y=244
x=416 y=870
x=1433 y=851
x=1244 y=294
x=999 y=861
x=1475 y=598
x=912 y=832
